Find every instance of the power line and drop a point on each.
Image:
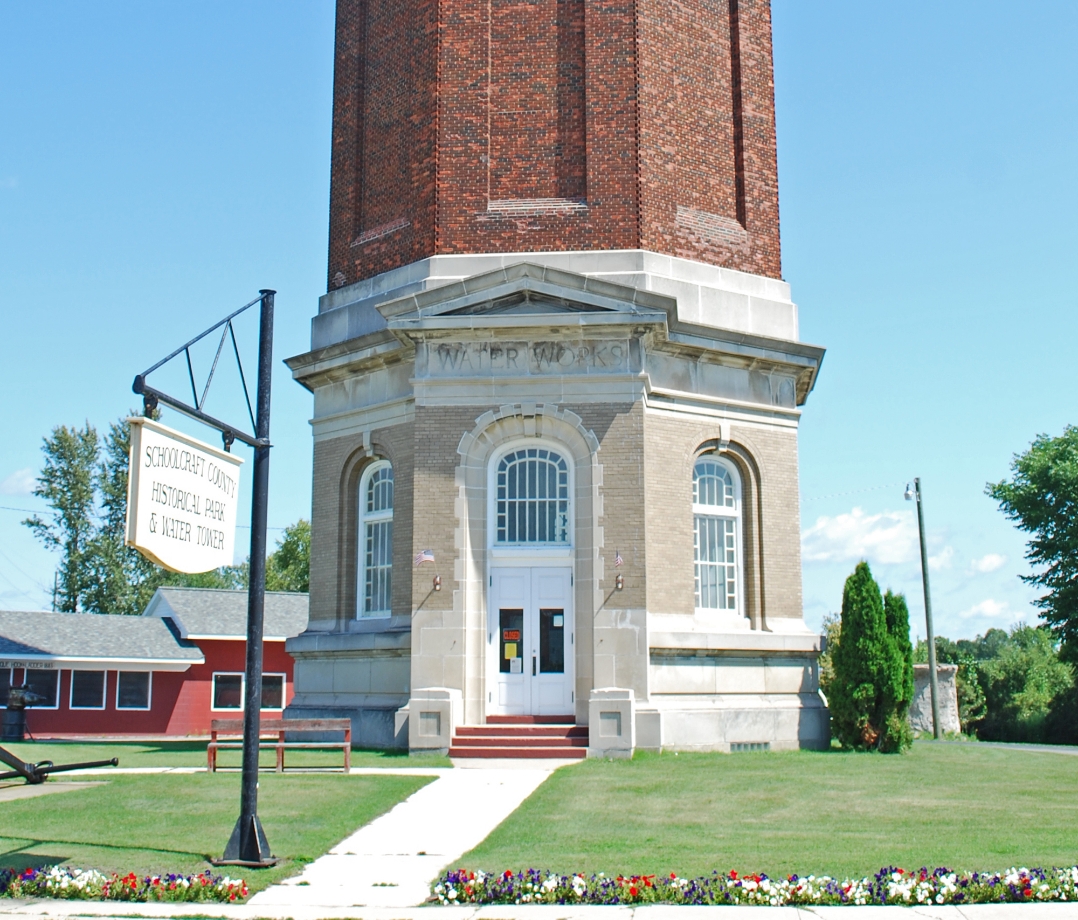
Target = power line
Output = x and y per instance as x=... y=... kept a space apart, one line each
x=890 y=485
x=29 y=578
x=28 y=510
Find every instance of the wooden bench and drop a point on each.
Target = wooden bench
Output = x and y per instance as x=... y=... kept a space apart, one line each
x=272 y=734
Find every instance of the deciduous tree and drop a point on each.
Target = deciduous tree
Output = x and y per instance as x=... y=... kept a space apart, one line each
x=288 y=568
x=67 y=482
x=1041 y=497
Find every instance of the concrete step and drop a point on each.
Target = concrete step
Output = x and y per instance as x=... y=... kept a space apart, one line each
x=577 y=741
x=522 y=731
x=559 y=753
x=531 y=720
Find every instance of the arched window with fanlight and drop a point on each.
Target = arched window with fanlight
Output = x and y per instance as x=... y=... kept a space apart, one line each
x=532 y=498
x=375 y=540
x=716 y=505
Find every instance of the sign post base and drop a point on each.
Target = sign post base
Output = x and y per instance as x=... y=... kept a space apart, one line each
x=247 y=846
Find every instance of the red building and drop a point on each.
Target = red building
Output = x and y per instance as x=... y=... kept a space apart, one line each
x=168 y=672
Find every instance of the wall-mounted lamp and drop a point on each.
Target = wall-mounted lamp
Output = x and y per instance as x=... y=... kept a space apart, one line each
x=437 y=582
x=619 y=582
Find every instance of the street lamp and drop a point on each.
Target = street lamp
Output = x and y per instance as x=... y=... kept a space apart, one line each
x=914 y=495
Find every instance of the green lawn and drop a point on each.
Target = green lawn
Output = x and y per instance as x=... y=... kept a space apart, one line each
x=961 y=806
x=172 y=822
x=193 y=754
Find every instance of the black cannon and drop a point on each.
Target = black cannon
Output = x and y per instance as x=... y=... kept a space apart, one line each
x=18 y=699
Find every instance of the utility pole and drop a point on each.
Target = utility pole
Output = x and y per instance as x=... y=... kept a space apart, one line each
x=915 y=495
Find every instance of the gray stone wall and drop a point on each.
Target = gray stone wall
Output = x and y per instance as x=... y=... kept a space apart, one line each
x=921 y=707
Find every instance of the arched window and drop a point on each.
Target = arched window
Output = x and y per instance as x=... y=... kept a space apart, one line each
x=716 y=505
x=376 y=539
x=532 y=498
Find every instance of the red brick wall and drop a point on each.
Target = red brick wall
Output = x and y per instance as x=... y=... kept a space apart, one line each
x=658 y=114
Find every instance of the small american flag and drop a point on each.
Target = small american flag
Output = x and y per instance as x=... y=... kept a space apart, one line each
x=426 y=555
x=618 y=561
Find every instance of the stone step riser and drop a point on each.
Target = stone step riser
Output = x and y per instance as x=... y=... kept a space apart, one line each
x=516 y=753
x=486 y=731
x=520 y=742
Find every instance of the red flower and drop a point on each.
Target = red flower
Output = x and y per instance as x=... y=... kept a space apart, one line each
x=1028 y=893
x=633 y=891
x=733 y=874
x=508 y=874
x=673 y=875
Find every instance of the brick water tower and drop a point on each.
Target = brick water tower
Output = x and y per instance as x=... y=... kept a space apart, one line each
x=557 y=382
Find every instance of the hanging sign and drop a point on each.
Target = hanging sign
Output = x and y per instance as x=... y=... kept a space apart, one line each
x=181 y=499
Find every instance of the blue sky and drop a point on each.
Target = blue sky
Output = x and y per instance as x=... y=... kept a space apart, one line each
x=159 y=163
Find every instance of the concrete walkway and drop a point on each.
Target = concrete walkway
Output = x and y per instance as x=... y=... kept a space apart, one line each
x=391 y=861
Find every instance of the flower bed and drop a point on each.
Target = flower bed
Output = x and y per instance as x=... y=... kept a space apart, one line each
x=91 y=885
x=889 y=886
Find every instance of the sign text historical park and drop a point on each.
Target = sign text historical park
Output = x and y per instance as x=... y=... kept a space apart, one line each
x=181 y=499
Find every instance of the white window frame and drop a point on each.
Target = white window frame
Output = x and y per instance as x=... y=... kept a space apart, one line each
x=243 y=690
x=56 y=672
x=149 y=694
x=284 y=691
x=364 y=519
x=722 y=513
x=540 y=551
x=104 y=690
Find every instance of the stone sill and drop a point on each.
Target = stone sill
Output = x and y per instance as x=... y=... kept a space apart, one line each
x=751 y=641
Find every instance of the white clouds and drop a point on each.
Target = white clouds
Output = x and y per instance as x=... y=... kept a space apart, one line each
x=989 y=609
x=21 y=482
x=988 y=563
x=886 y=538
x=942 y=560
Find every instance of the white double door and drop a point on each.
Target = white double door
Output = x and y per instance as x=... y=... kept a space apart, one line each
x=530 y=641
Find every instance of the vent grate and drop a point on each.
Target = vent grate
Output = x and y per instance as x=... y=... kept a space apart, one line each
x=747 y=747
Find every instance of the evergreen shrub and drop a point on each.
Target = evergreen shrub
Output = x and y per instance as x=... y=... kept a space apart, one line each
x=872 y=684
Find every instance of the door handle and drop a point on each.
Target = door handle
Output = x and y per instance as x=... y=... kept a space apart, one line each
x=533 y=666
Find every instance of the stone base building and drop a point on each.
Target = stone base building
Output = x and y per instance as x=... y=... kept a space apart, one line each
x=557 y=383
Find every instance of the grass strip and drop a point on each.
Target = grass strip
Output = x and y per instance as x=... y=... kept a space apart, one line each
x=161 y=823
x=829 y=813
x=193 y=754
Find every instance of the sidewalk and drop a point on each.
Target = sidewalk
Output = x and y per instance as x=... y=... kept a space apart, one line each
x=391 y=861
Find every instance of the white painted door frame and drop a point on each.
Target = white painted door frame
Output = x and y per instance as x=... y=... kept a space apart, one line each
x=531 y=633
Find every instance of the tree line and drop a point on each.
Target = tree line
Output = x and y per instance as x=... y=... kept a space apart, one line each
x=84 y=481
x=1016 y=685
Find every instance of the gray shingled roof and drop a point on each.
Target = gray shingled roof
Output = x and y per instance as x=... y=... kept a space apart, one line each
x=78 y=636
x=220 y=614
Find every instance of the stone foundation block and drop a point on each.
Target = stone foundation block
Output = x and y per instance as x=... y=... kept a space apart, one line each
x=433 y=713
x=612 y=723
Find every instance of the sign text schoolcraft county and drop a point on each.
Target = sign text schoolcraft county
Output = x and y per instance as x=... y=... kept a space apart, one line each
x=181 y=499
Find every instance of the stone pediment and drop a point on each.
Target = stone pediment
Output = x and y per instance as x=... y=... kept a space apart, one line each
x=527 y=320
x=523 y=303
x=522 y=294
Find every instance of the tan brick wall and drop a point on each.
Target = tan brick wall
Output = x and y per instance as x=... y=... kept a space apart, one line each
x=771 y=543
x=620 y=430
x=338 y=465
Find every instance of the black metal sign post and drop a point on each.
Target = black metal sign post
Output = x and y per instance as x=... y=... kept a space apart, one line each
x=248 y=845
